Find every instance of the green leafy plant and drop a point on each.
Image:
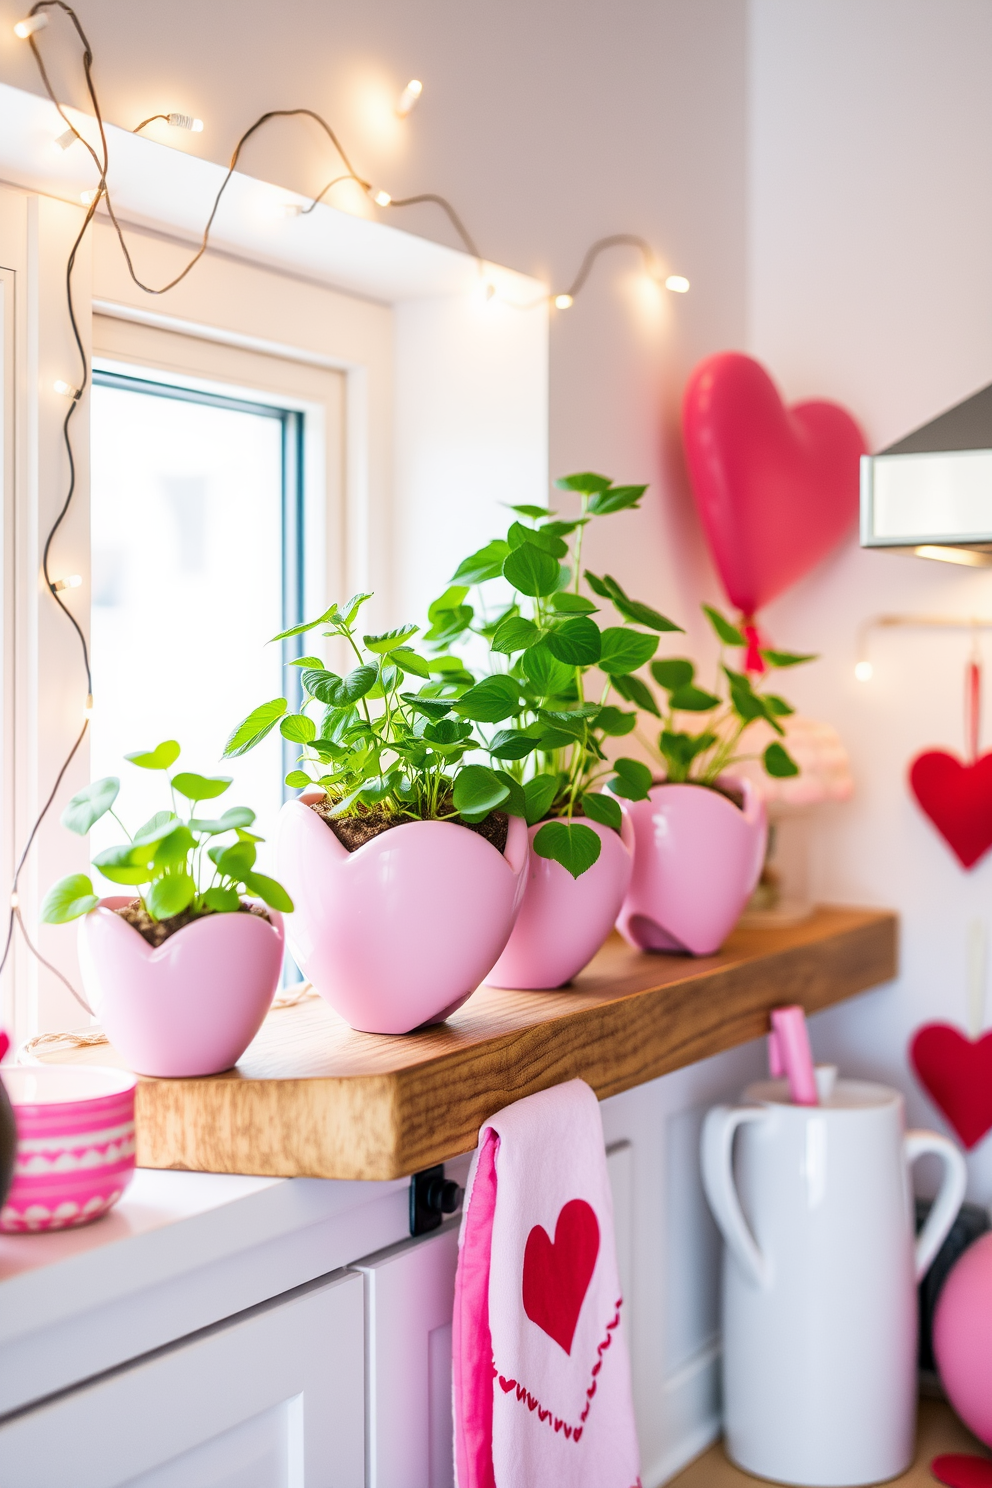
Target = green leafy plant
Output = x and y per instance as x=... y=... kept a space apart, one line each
x=390 y=736
x=555 y=669
x=730 y=709
x=175 y=862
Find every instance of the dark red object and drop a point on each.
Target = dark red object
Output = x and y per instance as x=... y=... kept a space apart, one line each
x=557 y=1274
x=956 y=1072
x=776 y=487
x=957 y=797
x=960 y=1470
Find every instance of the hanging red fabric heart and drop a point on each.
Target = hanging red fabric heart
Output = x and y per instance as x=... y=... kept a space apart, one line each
x=557 y=1274
x=776 y=487
x=957 y=797
x=961 y=1470
x=956 y=1072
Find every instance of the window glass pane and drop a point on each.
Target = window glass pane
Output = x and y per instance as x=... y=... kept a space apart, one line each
x=187 y=564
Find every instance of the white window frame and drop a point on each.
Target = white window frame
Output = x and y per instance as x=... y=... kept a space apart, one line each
x=445 y=414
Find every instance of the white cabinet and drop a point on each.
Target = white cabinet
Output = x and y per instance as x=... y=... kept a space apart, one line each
x=271 y=1399
x=409 y=1298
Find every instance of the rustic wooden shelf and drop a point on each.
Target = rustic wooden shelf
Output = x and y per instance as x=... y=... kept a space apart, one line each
x=313 y=1098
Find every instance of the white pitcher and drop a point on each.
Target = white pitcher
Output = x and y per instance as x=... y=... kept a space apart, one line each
x=819 y=1279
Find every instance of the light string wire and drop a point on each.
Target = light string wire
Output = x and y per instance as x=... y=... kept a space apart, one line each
x=101 y=160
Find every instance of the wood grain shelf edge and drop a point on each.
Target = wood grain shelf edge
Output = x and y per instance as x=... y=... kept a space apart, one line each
x=312 y=1098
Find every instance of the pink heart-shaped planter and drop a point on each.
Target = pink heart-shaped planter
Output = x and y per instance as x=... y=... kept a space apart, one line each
x=776 y=487
x=190 y=1006
x=401 y=931
x=563 y=921
x=697 y=858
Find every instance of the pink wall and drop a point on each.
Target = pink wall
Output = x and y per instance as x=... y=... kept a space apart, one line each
x=870 y=240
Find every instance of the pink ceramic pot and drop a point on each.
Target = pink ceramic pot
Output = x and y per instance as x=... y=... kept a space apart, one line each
x=696 y=861
x=962 y=1338
x=192 y=1005
x=563 y=921
x=75 y=1144
x=402 y=930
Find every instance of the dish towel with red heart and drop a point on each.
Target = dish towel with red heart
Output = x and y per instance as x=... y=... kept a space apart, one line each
x=541 y=1377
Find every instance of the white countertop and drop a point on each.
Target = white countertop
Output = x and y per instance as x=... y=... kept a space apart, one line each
x=180 y=1252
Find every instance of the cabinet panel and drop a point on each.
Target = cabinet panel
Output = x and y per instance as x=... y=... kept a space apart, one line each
x=409 y=1299
x=273 y=1399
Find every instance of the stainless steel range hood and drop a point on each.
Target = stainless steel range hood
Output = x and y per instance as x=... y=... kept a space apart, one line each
x=931 y=493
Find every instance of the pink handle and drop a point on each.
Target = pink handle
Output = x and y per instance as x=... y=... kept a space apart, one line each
x=4 y=1043
x=789 y=1054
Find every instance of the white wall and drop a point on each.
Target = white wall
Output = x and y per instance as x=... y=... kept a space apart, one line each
x=870 y=235
x=547 y=126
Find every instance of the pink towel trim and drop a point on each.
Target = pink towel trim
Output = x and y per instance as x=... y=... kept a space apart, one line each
x=471 y=1339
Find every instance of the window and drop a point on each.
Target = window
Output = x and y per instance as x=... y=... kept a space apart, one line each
x=197 y=541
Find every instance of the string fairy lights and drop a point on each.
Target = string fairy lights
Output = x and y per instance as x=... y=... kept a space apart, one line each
x=27 y=29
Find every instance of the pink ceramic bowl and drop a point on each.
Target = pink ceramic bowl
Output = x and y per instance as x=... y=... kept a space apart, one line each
x=563 y=921
x=697 y=859
x=190 y=1006
x=401 y=931
x=75 y=1144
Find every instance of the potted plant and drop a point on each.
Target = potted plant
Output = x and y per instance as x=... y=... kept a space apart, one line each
x=182 y=969
x=701 y=833
x=405 y=869
x=545 y=643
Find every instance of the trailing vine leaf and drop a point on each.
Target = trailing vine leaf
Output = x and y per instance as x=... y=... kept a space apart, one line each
x=603 y=809
x=571 y=844
x=625 y=651
x=531 y=570
x=779 y=763
x=159 y=758
x=68 y=899
x=253 y=729
x=88 y=805
x=727 y=633
x=478 y=791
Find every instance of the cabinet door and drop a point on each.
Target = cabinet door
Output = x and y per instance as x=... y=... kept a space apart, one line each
x=272 y=1399
x=410 y=1291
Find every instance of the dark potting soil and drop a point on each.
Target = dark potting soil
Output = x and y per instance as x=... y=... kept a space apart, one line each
x=353 y=831
x=730 y=791
x=158 y=931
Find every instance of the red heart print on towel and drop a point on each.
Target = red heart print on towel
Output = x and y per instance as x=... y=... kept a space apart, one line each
x=959 y=1470
x=956 y=1072
x=958 y=800
x=557 y=1273
x=776 y=487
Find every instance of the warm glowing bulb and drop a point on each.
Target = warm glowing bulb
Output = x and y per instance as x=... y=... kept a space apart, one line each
x=71 y=581
x=563 y=302
x=185 y=121
x=408 y=97
x=65 y=139
x=381 y=198
x=64 y=389
x=864 y=671
x=88 y=197
x=677 y=284
x=30 y=25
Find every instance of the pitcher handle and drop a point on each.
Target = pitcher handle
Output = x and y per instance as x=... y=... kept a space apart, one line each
x=949 y=1198
x=716 y=1151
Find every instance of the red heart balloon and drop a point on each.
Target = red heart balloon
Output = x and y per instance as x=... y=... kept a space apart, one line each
x=956 y=1073
x=957 y=798
x=776 y=487
x=557 y=1275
